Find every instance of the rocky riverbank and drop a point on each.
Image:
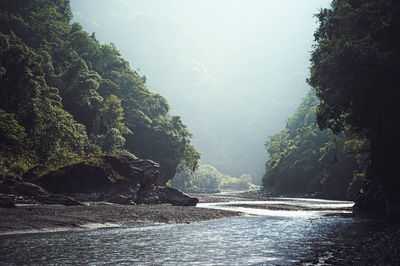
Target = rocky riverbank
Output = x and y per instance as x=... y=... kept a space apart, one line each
x=110 y=178
x=58 y=217
x=376 y=244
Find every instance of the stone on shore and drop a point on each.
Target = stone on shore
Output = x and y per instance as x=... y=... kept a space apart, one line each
x=7 y=200
x=110 y=178
x=176 y=197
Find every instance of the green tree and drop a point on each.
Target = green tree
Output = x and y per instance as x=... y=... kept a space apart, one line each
x=54 y=135
x=109 y=127
x=304 y=159
x=12 y=148
x=355 y=66
x=62 y=85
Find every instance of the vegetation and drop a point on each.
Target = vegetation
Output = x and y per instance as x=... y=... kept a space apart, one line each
x=355 y=73
x=65 y=95
x=304 y=159
x=209 y=178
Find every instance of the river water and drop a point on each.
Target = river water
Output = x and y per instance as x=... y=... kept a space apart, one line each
x=263 y=237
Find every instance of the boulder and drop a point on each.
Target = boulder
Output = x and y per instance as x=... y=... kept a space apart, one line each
x=103 y=175
x=120 y=199
x=58 y=199
x=32 y=174
x=176 y=197
x=7 y=185
x=7 y=200
x=30 y=190
x=151 y=170
x=81 y=177
x=148 y=197
x=116 y=179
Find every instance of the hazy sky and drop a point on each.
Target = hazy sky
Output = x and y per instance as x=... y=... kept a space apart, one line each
x=234 y=70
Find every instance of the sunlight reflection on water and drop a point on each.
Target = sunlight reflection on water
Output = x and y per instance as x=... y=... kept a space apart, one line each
x=324 y=205
x=272 y=237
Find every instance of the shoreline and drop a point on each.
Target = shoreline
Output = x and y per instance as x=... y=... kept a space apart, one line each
x=55 y=218
x=26 y=219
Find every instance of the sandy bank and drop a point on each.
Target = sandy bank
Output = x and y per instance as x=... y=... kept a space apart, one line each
x=48 y=217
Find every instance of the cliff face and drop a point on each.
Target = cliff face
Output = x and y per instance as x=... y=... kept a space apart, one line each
x=115 y=179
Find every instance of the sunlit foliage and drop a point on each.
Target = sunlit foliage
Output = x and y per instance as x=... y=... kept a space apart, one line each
x=65 y=95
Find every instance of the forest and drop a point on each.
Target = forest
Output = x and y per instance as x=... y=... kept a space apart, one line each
x=355 y=75
x=207 y=179
x=93 y=161
x=304 y=159
x=66 y=96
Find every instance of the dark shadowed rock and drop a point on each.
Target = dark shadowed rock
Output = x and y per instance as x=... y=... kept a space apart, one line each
x=105 y=175
x=176 y=197
x=30 y=190
x=7 y=185
x=81 y=177
x=373 y=200
x=151 y=171
x=33 y=173
x=7 y=200
x=148 y=197
x=120 y=199
x=58 y=199
x=111 y=178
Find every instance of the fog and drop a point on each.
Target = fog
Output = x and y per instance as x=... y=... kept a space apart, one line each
x=233 y=70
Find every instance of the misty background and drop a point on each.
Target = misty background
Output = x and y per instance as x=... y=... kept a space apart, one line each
x=233 y=70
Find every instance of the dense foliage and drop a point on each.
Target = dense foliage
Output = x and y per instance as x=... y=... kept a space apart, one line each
x=65 y=95
x=304 y=159
x=355 y=73
x=209 y=178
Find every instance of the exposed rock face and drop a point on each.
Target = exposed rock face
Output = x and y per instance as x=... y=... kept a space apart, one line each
x=30 y=190
x=13 y=192
x=176 y=197
x=372 y=200
x=33 y=173
x=102 y=176
x=58 y=199
x=114 y=179
x=376 y=200
x=120 y=199
x=148 y=197
x=151 y=171
x=7 y=200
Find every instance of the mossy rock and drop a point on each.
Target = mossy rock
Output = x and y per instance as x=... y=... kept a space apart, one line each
x=103 y=174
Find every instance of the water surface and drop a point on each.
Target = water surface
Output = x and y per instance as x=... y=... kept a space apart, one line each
x=269 y=238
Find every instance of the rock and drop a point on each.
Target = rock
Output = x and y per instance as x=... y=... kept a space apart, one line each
x=32 y=174
x=116 y=179
x=7 y=185
x=58 y=199
x=29 y=189
x=176 y=197
x=151 y=172
x=120 y=199
x=148 y=197
x=7 y=200
x=84 y=177
x=373 y=200
x=103 y=175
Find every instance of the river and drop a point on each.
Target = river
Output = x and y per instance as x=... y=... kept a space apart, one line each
x=261 y=237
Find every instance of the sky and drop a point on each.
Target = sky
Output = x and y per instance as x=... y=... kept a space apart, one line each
x=234 y=70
